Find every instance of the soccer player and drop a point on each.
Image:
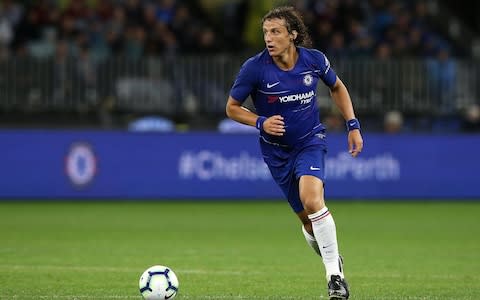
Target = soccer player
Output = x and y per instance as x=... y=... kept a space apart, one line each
x=282 y=81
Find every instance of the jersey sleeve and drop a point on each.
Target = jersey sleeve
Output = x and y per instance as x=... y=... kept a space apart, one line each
x=245 y=82
x=327 y=74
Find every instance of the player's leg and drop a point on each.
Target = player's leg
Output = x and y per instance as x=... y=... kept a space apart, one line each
x=309 y=170
x=308 y=231
x=286 y=180
x=287 y=176
x=324 y=230
x=323 y=224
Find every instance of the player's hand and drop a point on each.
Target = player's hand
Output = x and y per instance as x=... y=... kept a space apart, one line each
x=355 y=142
x=274 y=125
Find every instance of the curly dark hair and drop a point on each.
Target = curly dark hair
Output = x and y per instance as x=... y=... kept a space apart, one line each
x=293 y=21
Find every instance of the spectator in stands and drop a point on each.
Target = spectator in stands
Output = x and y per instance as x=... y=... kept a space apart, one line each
x=28 y=29
x=471 y=119
x=442 y=76
x=134 y=11
x=206 y=41
x=383 y=52
x=336 y=48
x=62 y=79
x=393 y=122
x=184 y=27
x=166 y=11
x=11 y=11
x=135 y=38
x=85 y=78
x=10 y=16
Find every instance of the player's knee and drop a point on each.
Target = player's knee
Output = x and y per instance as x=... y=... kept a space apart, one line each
x=311 y=193
x=313 y=204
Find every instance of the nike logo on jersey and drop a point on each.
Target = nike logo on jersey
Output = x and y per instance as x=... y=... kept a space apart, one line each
x=270 y=85
x=314 y=168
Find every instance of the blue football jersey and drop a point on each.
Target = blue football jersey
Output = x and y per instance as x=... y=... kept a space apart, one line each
x=291 y=94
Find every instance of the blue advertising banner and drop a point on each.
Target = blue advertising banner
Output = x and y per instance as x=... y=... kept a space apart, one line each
x=124 y=165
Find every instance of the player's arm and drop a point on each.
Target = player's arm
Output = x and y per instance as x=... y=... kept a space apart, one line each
x=341 y=97
x=273 y=125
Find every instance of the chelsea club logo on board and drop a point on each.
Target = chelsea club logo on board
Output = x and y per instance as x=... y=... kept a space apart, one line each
x=81 y=164
x=307 y=80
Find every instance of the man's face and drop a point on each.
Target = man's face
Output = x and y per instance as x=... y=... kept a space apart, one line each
x=276 y=36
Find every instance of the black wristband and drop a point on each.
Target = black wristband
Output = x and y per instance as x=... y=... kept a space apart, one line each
x=353 y=124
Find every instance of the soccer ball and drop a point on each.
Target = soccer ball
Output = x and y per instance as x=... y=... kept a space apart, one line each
x=158 y=282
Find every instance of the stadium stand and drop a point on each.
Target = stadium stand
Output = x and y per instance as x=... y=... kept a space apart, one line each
x=92 y=63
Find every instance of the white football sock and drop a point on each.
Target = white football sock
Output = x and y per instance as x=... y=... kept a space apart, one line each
x=325 y=233
x=312 y=242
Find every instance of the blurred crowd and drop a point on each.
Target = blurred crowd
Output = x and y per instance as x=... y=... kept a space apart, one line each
x=130 y=28
x=90 y=31
x=378 y=28
x=135 y=28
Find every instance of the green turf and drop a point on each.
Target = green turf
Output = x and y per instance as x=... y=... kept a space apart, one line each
x=250 y=250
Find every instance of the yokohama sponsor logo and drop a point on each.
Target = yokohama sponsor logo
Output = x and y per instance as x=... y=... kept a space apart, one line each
x=296 y=97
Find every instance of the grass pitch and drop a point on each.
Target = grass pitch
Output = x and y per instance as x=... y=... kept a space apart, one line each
x=232 y=250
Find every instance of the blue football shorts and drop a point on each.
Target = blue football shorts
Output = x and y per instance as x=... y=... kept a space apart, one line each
x=306 y=161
